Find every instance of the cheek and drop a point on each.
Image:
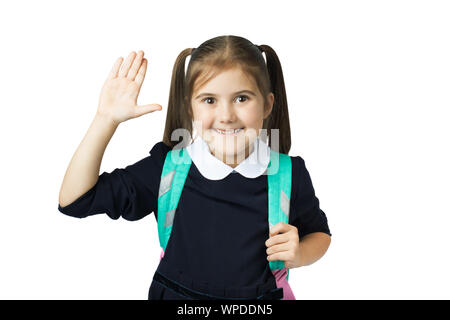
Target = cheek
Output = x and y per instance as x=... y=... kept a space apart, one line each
x=251 y=120
x=252 y=116
x=207 y=124
x=203 y=127
x=202 y=119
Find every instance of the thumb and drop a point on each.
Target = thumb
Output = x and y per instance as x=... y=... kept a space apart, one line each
x=141 y=110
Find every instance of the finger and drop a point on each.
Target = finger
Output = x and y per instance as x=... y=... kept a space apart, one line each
x=282 y=256
x=279 y=228
x=115 y=69
x=126 y=65
x=141 y=74
x=280 y=238
x=136 y=65
x=278 y=248
x=141 y=110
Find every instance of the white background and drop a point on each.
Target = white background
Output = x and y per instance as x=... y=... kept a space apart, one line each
x=368 y=92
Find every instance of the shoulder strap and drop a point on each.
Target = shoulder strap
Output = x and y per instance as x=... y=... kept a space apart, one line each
x=173 y=176
x=279 y=175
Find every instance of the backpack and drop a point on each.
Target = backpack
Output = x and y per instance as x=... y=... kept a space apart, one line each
x=173 y=176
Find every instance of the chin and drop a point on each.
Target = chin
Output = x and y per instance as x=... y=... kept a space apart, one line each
x=229 y=150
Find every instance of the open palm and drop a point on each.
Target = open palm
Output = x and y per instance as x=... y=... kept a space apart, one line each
x=118 y=98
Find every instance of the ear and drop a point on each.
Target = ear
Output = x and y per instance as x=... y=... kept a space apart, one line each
x=270 y=101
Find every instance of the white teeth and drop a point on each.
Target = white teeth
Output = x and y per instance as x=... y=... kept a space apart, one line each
x=228 y=131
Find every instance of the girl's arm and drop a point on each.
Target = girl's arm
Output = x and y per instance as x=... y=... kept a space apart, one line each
x=117 y=104
x=82 y=172
x=312 y=247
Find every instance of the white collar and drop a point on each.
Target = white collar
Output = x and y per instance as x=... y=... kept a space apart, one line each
x=213 y=169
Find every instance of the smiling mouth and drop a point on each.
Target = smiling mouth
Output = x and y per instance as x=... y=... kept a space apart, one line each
x=228 y=132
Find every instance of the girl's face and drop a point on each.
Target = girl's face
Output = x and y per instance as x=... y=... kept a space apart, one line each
x=229 y=101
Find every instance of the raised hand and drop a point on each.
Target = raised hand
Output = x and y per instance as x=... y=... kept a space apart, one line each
x=118 y=97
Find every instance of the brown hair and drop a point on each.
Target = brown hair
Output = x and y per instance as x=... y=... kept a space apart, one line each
x=214 y=56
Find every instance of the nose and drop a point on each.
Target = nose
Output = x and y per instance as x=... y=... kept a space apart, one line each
x=226 y=113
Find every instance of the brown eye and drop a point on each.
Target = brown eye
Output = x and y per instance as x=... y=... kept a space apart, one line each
x=208 y=98
x=246 y=97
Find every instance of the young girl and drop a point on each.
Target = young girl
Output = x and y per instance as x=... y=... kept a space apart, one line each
x=221 y=244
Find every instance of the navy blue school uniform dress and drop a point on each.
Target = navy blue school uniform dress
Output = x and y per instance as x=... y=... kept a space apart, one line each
x=217 y=245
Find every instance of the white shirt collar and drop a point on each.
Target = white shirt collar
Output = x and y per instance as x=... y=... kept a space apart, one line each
x=213 y=169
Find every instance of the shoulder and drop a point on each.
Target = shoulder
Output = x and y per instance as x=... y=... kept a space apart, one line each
x=298 y=160
x=298 y=166
x=298 y=175
x=150 y=165
x=159 y=151
x=159 y=148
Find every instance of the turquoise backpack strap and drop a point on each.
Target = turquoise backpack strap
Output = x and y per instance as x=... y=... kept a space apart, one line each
x=173 y=176
x=279 y=175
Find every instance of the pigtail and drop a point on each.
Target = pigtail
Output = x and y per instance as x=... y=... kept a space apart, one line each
x=279 y=117
x=177 y=108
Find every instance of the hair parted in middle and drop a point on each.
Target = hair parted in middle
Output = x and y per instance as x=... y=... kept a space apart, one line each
x=215 y=56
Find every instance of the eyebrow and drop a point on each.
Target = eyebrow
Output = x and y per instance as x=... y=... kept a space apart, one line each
x=212 y=94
